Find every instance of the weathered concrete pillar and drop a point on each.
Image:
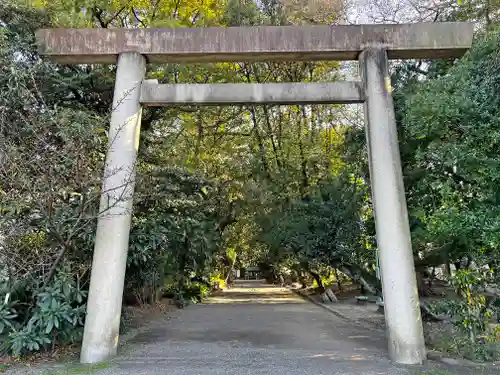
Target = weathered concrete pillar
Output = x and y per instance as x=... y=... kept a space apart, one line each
x=401 y=302
x=104 y=304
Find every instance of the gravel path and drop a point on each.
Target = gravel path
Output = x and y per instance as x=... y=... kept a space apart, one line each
x=257 y=329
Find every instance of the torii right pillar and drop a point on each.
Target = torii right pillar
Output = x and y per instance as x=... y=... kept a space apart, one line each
x=399 y=285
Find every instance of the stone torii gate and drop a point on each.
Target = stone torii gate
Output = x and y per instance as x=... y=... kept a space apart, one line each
x=371 y=45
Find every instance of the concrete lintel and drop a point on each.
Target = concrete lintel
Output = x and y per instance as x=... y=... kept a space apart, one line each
x=243 y=93
x=260 y=43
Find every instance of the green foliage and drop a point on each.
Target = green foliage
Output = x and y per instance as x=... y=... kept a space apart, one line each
x=470 y=313
x=50 y=170
x=7 y=314
x=175 y=232
x=460 y=346
x=217 y=279
x=52 y=314
x=449 y=130
x=51 y=158
x=135 y=13
x=189 y=293
x=470 y=309
x=484 y=12
x=195 y=292
x=323 y=229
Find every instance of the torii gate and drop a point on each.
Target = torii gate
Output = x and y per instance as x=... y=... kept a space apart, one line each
x=372 y=45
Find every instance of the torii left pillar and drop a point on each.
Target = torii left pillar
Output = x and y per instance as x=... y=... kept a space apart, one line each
x=102 y=324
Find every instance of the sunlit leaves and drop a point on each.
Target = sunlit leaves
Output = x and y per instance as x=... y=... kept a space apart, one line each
x=133 y=13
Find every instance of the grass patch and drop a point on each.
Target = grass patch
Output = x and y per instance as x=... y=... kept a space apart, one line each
x=3 y=367
x=77 y=369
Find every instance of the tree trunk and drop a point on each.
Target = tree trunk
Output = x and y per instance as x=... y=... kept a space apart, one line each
x=228 y=280
x=421 y=284
x=339 y=284
x=302 y=280
x=183 y=262
x=423 y=288
x=56 y=263
x=318 y=281
x=359 y=279
x=432 y=277
x=447 y=270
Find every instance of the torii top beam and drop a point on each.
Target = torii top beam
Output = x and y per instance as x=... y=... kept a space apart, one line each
x=261 y=43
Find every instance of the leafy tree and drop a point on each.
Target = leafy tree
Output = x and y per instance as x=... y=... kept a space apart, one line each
x=449 y=132
x=323 y=231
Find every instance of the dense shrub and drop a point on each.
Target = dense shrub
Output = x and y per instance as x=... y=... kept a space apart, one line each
x=39 y=318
